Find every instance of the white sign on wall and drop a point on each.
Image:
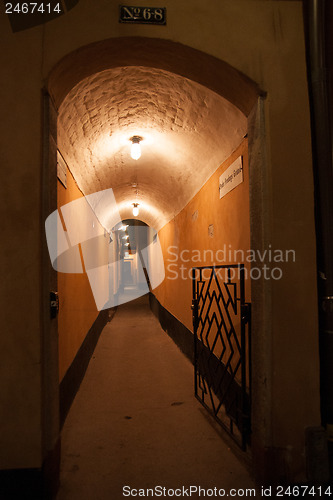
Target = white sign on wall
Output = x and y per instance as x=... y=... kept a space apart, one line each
x=231 y=177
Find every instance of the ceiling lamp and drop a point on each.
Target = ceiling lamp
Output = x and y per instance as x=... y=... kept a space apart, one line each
x=135 y=147
x=135 y=209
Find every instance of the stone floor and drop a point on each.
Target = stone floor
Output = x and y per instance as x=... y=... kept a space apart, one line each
x=135 y=421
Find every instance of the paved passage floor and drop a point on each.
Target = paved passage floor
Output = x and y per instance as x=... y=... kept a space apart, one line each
x=135 y=422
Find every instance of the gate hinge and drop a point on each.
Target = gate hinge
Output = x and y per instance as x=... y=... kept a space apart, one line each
x=246 y=312
x=194 y=308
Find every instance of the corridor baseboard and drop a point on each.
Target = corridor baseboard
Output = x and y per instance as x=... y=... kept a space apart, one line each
x=72 y=380
x=34 y=483
x=21 y=483
x=181 y=335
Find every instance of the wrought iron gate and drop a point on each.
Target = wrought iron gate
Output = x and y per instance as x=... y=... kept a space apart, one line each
x=222 y=347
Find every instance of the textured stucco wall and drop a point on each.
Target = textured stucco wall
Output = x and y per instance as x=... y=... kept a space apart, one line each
x=20 y=370
x=179 y=121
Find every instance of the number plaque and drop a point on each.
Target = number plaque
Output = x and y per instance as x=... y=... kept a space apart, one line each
x=142 y=15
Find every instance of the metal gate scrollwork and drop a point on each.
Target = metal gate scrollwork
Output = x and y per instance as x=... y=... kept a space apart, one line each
x=222 y=347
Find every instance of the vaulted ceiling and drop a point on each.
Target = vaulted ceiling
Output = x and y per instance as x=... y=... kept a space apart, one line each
x=187 y=130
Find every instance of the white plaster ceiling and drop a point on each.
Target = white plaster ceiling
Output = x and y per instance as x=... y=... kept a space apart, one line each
x=187 y=130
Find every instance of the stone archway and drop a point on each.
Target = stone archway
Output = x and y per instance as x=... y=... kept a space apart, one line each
x=177 y=58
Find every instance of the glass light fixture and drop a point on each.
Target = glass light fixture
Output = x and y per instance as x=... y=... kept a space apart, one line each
x=135 y=209
x=135 y=147
x=123 y=227
x=125 y=237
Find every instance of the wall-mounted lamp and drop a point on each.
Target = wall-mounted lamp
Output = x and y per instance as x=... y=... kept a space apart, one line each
x=135 y=209
x=123 y=227
x=135 y=147
x=126 y=244
x=125 y=237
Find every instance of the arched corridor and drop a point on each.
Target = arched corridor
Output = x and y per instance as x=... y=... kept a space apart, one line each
x=189 y=138
x=220 y=100
x=135 y=421
x=196 y=135
x=187 y=131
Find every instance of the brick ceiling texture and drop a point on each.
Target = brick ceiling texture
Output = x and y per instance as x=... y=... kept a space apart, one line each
x=187 y=130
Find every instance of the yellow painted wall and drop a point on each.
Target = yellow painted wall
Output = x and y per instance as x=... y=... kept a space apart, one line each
x=77 y=310
x=186 y=237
